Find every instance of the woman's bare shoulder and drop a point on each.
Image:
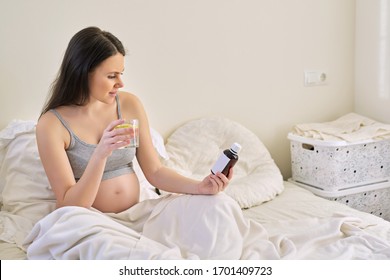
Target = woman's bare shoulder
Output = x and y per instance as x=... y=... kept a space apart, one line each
x=51 y=119
x=50 y=127
x=127 y=97
x=48 y=119
x=130 y=102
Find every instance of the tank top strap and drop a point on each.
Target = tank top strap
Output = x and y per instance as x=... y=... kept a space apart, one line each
x=65 y=124
x=118 y=106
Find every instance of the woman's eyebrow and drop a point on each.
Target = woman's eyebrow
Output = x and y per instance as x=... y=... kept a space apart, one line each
x=116 y=72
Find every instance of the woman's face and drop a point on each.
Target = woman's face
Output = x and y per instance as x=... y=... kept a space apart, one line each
x=106 y=80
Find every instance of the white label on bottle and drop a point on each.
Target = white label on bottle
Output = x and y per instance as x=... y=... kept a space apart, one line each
x=220 y=164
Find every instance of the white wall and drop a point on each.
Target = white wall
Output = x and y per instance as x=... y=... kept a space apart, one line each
x=241 y=59
x=372 y=78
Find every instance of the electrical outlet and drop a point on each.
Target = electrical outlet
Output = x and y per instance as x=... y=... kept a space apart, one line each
x=315 y=78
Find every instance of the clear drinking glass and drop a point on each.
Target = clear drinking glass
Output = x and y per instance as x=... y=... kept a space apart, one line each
x=134 y=134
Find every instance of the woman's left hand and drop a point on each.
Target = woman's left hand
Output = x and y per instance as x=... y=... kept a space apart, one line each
x=215 y=183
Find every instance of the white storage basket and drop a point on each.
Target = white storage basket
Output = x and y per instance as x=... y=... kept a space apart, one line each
x=339 y=165
x=372 y=198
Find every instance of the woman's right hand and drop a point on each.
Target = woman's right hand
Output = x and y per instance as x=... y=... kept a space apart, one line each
x=113 y=139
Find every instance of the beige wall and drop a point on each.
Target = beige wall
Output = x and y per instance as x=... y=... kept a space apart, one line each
x=243 y=60
x=372 y=64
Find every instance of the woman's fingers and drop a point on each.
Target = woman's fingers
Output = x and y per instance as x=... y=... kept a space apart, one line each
x=220 y=181
x=114 y=123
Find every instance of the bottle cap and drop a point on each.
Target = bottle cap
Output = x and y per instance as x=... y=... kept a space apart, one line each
x=236 y=148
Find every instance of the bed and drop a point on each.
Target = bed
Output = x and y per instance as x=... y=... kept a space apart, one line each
x=272 y=218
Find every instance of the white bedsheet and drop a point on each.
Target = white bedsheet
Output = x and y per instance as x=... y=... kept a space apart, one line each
x=199 y=227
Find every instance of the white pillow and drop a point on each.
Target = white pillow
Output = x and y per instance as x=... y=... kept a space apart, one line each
x=194 y=147
x=148 y=191
x=158 y=143
x=25 y=193
x=7 y=135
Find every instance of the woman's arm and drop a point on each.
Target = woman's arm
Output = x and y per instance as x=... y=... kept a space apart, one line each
x=159 y=176
x=51 y=139
x=168 y=180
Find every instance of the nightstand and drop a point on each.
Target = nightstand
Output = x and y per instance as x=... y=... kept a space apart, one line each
x=373 y=198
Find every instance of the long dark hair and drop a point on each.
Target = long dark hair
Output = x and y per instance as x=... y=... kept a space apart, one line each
x=86 y=50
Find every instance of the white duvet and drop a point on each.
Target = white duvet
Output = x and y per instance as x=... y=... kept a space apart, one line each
x=196 y=227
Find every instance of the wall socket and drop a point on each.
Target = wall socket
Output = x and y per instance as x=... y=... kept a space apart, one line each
x=315 y=78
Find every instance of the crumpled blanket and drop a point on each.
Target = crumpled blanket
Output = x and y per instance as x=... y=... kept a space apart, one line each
x=351 y=127
x=196 y=227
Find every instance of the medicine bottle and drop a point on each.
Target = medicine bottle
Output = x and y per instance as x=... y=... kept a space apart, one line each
x=227 y=160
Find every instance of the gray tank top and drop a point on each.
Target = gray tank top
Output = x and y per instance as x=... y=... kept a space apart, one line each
x=79 y=153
